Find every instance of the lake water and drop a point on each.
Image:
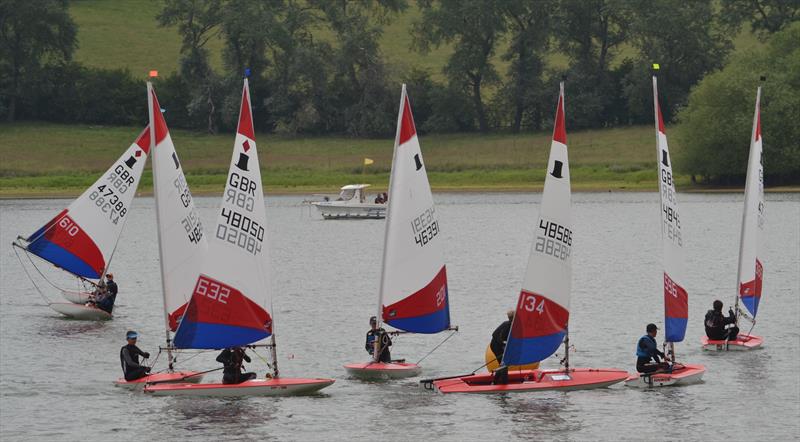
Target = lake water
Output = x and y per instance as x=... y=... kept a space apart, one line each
x=56 y=374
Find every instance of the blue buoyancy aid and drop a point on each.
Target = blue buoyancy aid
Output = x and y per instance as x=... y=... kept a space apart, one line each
x=646 y=347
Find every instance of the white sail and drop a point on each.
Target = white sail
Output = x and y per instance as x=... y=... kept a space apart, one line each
x=751 y=246
x=231 y=296
x=82 y=238
x=182 y=243
x=542 y=310
x=413 y=293
x=676 y=301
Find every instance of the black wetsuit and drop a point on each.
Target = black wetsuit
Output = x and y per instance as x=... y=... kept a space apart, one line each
x=498 y=346
x=647 y=350
x=129 y=358
x=385 y=341
x=715 y=324
x=233 y=359
x=106 y=302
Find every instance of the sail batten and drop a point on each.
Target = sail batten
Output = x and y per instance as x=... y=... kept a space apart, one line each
x=413 y=293
x=676 y=298
x=82 y=238
x=542 y=310
x=229 y=303
x=750 y=272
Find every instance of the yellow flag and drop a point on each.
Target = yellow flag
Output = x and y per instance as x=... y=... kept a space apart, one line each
x=368 y=161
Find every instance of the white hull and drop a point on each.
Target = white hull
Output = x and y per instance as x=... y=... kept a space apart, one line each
x=82 y=312
x=178 y=376
x=76 y=297
x=255 y=387
x=383 y=372
x=347 y=209
x=692 y=374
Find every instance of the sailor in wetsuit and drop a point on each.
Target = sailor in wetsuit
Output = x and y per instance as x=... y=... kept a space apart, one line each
x=384 y=342
x=232 y=359
x=715 y=324
x=129 y=358
x=647 y=350
x=105 y=300
x=498 y=346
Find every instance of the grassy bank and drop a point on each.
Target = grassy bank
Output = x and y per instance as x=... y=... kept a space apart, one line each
x=57 y=160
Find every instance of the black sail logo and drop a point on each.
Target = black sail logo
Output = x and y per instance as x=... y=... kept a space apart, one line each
x=557 y=166
x=418 y=161
x=243 y=157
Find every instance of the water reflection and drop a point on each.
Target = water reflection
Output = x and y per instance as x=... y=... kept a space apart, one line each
x=534 y=415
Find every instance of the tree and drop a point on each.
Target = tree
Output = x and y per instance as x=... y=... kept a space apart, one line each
x=685 y=39
x=765 y=16
x=529 y=26
x=32 y=33
x=474 y=28
x=197 y=21
x=716 y=125
x=590 y=32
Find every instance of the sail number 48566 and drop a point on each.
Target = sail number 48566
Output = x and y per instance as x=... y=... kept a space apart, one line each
x=555 y=240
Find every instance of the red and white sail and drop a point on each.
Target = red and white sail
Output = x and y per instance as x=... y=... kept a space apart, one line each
x=413 y=293
x=231 y=295
x=676 y=300
x=181 y=240
x=82 y=238
x=751 y=246
x=542 y=311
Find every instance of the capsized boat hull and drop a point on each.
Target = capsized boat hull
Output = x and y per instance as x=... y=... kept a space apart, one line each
x=255 y=387
x=383 y=371
x=81 y=312
x=159 y=378
x=534 y=380
x=742 y=343
x=684 y=375
x=76 y=297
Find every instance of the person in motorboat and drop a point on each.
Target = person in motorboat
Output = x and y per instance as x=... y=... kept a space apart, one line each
x=129 y=358
x=647 y=350
x=233 y=359
x=498 y=346
x=108 y=296
x=716 y=324
x=385 y=197
x=383 y=339
x=379 y=199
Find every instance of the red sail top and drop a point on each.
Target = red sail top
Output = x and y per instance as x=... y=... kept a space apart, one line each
x=158 y=119
x=144 y=140
x=758 y=125
x=660 y=118
x=245 y=117
x=407 y=128
x=560 y=129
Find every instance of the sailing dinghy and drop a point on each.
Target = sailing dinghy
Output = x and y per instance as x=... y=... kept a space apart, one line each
x=540 y=323
x=751 y=245
x=82 y=238
x=181 y=242
x=676 y=299
x=231 y=295
x=413 y=296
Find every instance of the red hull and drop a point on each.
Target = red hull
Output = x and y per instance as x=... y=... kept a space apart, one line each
x=534 y=380
x=742 y=342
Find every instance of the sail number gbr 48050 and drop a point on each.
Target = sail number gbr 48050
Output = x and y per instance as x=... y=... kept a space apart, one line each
x=553 y=239
x=425 y=226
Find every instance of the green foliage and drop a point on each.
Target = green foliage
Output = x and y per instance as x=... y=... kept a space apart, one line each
x=716 y=125
x=765 y=16
x=33 y=33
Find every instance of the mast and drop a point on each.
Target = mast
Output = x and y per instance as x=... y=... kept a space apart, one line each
x=389 y=221
x=158 y=217
x=756 y=113
x=566 y=336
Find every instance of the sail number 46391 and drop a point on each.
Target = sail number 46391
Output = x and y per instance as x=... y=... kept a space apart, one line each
x=425 y=226
x=554 y=240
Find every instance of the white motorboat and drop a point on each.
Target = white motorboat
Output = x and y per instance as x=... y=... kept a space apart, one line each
x=351 y=203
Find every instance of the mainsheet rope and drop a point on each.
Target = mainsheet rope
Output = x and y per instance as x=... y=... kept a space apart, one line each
x=47 y=301
x=440 y=344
